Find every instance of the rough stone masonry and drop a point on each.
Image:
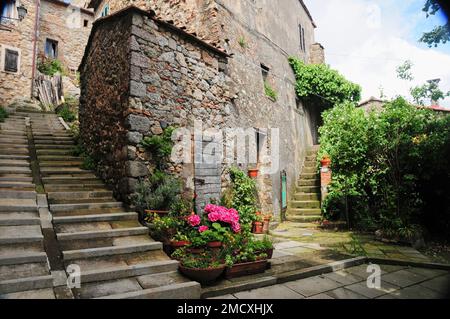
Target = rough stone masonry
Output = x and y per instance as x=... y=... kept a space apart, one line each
x=140 y=75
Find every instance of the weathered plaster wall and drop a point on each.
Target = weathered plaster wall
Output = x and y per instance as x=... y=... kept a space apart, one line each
x=172 y=81
x=15 y=85
x=65 y=24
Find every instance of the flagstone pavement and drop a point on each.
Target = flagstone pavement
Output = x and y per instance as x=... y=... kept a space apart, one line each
x=397 y=282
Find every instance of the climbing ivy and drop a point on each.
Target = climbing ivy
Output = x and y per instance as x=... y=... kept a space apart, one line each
x=319 y=82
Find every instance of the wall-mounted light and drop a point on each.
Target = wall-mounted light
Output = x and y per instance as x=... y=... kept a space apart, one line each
x=22 y=12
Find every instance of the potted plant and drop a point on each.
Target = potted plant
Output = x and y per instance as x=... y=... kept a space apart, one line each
x=253 y=172
x=213 y=238
x=326 y=161
x=202 y=268
x=266 y=224
x=197 y=245
x=264 y=246
x=258 y=224
x=246 y=262
x=180 y=240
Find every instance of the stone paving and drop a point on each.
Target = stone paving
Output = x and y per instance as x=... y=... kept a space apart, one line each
x=397 y=282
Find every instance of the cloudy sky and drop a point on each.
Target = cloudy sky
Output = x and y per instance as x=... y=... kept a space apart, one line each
x=367 y=39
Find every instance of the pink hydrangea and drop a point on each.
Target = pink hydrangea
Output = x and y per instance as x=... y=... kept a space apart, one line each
x=236 y=227
x=225 y=215
x=202 y=229
x=194 y=220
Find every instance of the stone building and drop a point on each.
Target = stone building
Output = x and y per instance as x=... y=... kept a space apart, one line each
x=51 y=28
x=259 y=36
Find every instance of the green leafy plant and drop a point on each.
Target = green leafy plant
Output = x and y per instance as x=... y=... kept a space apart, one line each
x=3 y=114
x=245 y=197
x=180 y=237
x=197 y=241
x=160 y=191
x=322 y=86
x=270 y=92
x=50 y=66
x=160 y=146
x=67 y=114
x=242 y=42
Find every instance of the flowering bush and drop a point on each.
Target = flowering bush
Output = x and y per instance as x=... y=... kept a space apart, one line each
x=202 y=229
x=194 y=220
x=225 y=215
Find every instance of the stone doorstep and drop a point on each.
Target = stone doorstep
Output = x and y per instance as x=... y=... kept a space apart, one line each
x=23 y=284
x=188 y=290
x=109 y=251
x=129 y=271
x=274 y=279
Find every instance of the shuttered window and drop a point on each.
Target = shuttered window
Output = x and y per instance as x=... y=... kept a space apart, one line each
x=11 y=60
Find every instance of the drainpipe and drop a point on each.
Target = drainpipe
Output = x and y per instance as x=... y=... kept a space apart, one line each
x=35 y=39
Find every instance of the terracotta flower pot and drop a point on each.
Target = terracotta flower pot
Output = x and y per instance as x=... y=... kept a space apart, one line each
x=253 y=172
x=196 y=251
x=246 y=269
x=257 y=227
x=325 y=162
x=179 y=243
x=215 y=244
x=269 y=253
x=202 y=275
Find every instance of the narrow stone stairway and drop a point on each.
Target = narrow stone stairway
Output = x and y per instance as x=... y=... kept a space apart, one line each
x=24 y=267
x=91 y=230
x=304 y=208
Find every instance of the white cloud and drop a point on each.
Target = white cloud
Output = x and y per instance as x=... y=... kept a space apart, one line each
x=366 y=40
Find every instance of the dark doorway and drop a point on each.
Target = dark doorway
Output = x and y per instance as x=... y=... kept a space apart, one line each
x=314 y=117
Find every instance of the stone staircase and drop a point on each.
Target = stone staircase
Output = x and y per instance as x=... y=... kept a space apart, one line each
x=116 y=256
x=304 y=208
x=24 y=267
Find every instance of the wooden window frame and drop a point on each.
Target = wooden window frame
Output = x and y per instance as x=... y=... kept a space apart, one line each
x=3 y=49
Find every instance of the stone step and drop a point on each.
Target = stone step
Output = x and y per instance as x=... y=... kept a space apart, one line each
x=16 y=186
x=187 y=290
x=94 y=218
x=14 y=170
x=14 y=157
x=20 y=234
x=17 y=205
x=7 y=220
x=23 y=284
x=14 y=141
x=82 y=200
x=14 y=163
x=308 y=182
x=306 y=196
x=13 y=132
x=109 y=233
x=55 y=164
x=109 y=251
x=304 y=211
x=80 y=180
x=53 y=152
x=307 y=176
x=75 y=187
x=309 y=170
x=73 y=207
x=23 y=258
x=89 y=212
x=17 y=194
x=51 y=158
x=53 y=147
x=49 y=142
x=79 y=195
x=45 y=171
x=304 y=219
x=312 y=158
x=308 y=189
x=129 y=271
x=11 y=150
x=14 y=179
x=305 y=204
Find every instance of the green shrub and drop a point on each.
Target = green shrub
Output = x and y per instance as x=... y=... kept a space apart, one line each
x=158 y=192
x=50 y=66
x=3 y=114
x=388 y=168
x=67 y=114
x=160 y=146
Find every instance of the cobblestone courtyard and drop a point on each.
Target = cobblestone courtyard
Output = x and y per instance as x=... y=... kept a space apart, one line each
x=397 y=282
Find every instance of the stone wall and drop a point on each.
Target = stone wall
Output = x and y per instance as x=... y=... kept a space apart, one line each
x=105 y=84
x=65 y=24
x=173 y=80
x=255 y=32
x=58 y=21
x=20 y=36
